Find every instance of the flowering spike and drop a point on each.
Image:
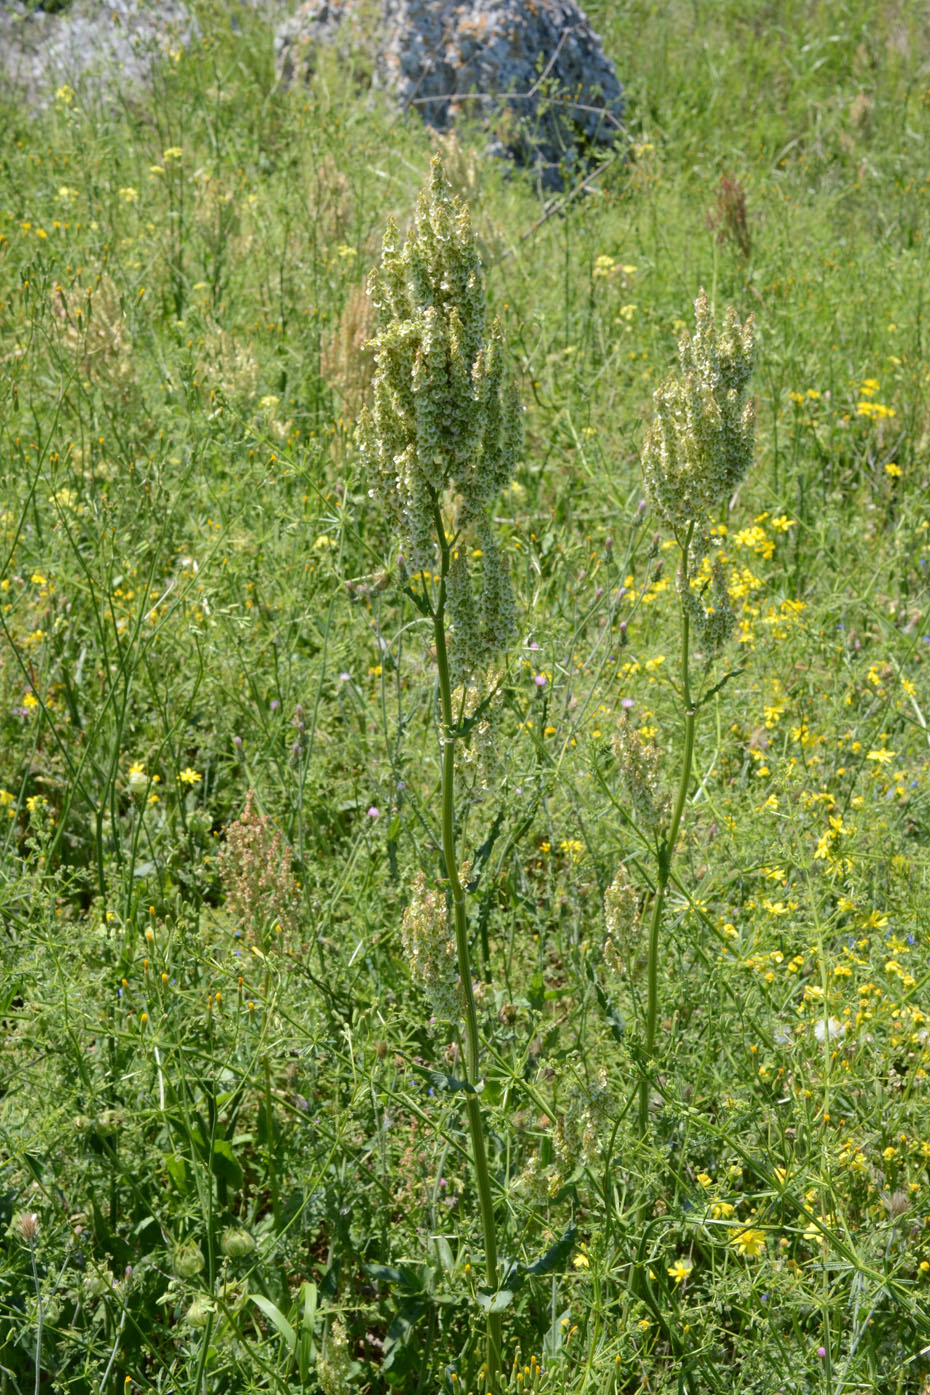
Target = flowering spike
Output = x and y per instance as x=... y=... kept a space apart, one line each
x=444 y=425
x=638 y=768
x=430 y=950
x=701 y=441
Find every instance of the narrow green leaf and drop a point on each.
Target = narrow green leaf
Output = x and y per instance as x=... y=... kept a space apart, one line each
x=306 y=1346
x=275 y=1315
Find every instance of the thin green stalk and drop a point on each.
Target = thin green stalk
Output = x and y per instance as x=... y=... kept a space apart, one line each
x=271 y=1153
x=472 y=1056
x=690 y=474
x=667 y=846
x=40 y=1314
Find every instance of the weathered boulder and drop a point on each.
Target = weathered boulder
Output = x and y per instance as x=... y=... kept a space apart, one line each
x=532 y=71
x=114 y=45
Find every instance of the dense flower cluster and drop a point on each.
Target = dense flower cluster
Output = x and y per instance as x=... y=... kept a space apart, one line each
x=707 y=603
x=577 y=1136
x=334 y=1363
x=262 y=892
x=700 y=443
x=621 y=918
x=478 y=756
x=621 y=905
x=638 y=766
x=444 y=429
x=430 y=949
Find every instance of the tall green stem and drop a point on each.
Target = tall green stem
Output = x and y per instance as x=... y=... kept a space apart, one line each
x=667 y=845
x=40 y=1314
x=472 y=1055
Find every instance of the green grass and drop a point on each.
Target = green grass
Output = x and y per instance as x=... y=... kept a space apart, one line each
x=198 y=600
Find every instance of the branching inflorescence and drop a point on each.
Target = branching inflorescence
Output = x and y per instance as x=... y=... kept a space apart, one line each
x=444 y=429
x=700 y=443
x=695 y=454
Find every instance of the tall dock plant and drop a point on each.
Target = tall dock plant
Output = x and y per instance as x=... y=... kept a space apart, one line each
x=440 y=440
x=696 y=451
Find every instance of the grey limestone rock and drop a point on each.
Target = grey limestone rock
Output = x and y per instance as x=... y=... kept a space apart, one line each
x=113 y=45
x=531 y=71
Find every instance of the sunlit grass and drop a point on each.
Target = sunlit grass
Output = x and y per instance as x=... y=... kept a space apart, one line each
x=243 y=1146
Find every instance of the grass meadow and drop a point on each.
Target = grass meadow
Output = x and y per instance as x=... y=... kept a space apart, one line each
x=234 y=1155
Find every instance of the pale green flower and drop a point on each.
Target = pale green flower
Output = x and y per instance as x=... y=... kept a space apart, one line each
x=443 y=432
x=334 y=1364
x=430 y=949
x=700 y=443
x=638 y=766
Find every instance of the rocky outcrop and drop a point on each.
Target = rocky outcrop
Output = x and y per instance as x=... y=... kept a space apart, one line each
x=113 y=45
x=531 y=71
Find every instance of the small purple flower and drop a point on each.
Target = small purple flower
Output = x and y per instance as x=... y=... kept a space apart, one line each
x=532 y=644
x=274 y=704
x=374 y=812
x=345 y=677
x=598 y=592
x=821 y=1352
x=627 y=703
x=540 y=680
x=237 y=742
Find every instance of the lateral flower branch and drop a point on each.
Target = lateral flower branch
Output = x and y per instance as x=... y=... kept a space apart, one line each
x=441 y=439
x=697 y=450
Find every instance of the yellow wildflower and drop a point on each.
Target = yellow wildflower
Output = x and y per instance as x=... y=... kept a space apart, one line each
x=750 y=1243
